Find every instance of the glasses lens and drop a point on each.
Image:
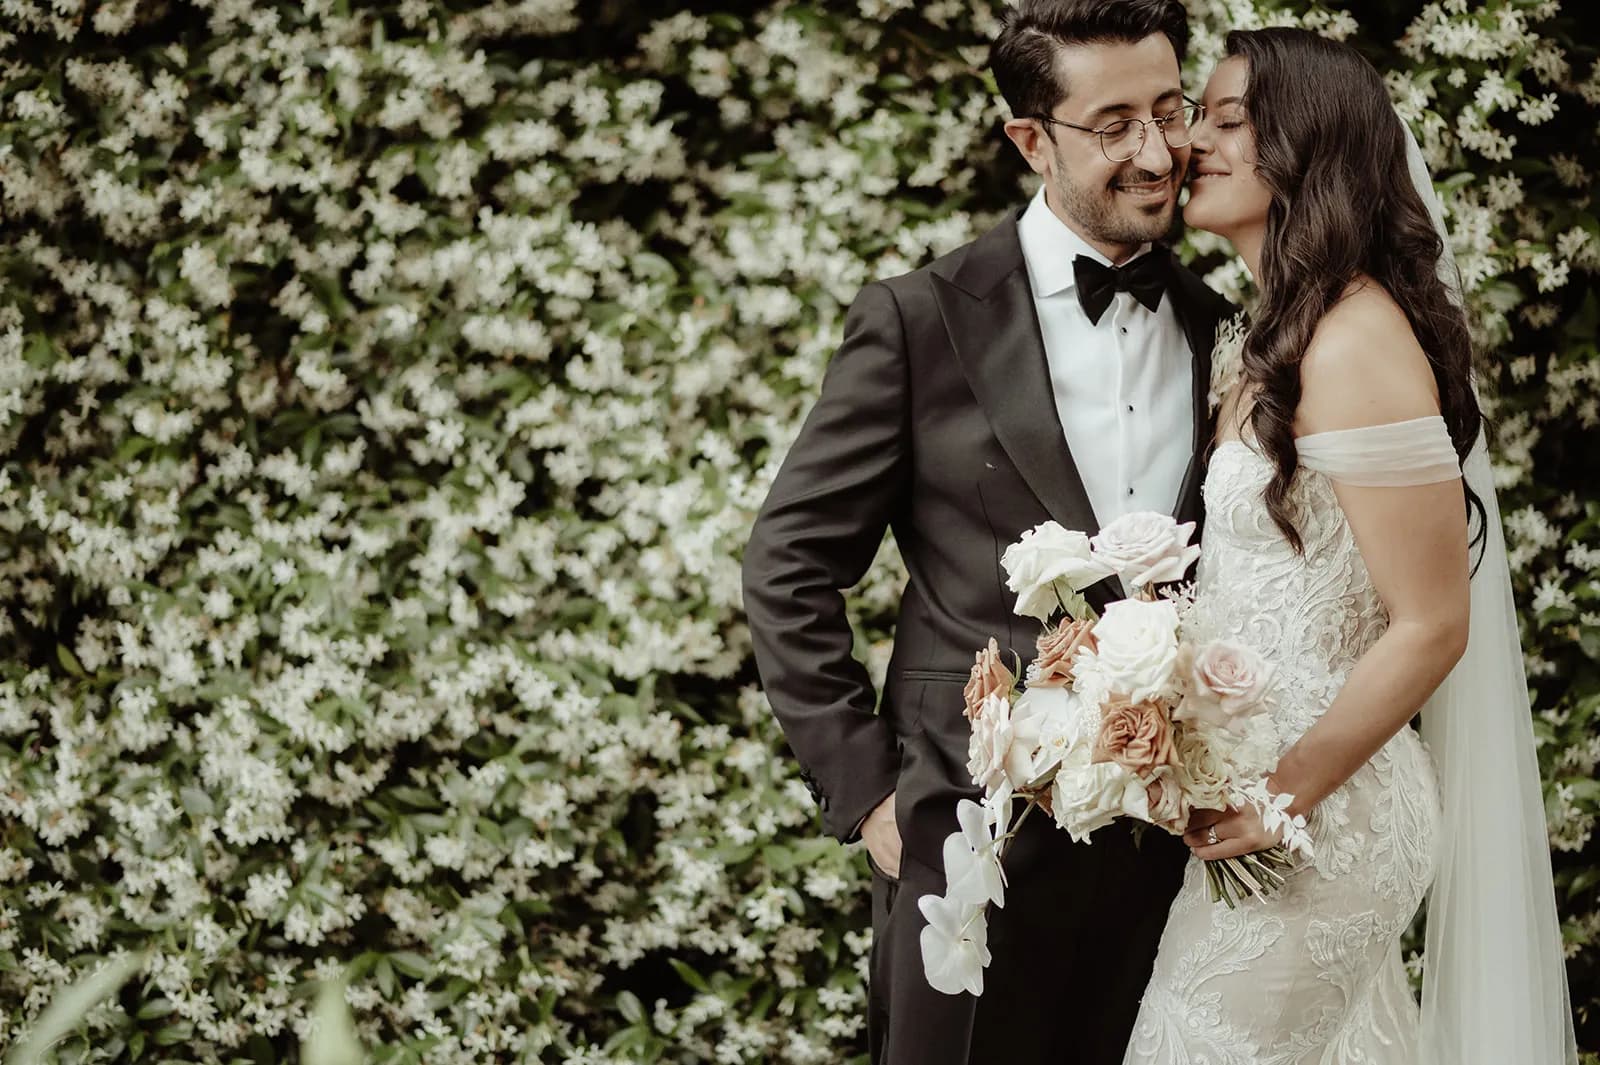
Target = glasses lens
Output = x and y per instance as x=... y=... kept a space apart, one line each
x=1121 y=140
x=1179 y=126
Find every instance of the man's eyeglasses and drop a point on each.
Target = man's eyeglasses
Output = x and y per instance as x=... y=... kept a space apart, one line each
x=1123 y=139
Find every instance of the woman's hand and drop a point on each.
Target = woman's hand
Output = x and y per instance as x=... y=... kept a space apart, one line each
x=1236 y=832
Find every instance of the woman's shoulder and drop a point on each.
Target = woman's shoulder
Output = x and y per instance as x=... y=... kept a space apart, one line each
x=1365 y=325
x=1364 y=365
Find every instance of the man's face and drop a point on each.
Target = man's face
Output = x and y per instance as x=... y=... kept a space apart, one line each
x=1116 y=205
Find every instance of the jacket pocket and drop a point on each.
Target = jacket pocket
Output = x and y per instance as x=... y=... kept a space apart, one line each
x=934 y=674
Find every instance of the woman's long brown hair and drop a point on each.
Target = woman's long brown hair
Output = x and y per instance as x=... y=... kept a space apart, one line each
x=1332 y=151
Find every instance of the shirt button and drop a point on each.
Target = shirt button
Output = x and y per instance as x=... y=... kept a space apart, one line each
x=1130 y=491
x=1124 y=330
x=1130 y=408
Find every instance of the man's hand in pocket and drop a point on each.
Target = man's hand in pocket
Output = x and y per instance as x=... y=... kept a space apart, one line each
x=882 y=837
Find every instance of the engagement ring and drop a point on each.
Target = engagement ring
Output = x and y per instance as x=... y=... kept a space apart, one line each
x=1211 y=836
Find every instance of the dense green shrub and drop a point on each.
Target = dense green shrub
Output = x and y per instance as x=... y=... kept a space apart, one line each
x=385 y=394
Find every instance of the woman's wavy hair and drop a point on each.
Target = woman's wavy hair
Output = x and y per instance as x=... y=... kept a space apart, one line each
x=1332 y=152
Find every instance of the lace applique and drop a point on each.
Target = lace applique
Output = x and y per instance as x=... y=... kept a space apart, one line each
x=1313 y=976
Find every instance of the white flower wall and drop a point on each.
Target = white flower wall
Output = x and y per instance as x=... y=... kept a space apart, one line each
x=385 y=394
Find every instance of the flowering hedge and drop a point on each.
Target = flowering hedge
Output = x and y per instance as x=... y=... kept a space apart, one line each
x=385 y=394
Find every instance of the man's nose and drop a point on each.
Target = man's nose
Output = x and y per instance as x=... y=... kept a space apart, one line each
x=1154 y=155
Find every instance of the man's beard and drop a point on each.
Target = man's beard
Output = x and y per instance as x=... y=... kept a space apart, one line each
x=1099 y=215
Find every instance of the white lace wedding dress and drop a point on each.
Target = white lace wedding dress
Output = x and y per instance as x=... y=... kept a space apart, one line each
x=1313 y=976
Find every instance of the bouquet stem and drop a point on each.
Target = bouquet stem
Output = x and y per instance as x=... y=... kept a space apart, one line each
x=1259 y=875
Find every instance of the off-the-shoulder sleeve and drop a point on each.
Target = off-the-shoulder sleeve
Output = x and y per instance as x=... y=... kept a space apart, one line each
x=1400 y=454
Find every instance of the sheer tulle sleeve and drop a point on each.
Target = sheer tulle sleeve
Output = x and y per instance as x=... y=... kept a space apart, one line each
x=1397 y=455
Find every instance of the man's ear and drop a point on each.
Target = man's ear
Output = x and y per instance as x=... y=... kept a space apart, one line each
x=1028 y=135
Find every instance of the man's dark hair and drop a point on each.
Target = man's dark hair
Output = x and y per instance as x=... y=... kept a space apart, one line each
x=1023 y=57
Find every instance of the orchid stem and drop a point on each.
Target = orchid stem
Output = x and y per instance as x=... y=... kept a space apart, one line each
x=1005 y=840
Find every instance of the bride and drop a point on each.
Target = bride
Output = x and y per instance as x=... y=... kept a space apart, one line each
x=1344 y=541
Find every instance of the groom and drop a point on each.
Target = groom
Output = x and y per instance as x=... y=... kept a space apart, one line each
x=1055 y=368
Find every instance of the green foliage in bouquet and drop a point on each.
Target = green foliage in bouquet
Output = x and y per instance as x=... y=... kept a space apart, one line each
x=385 y=394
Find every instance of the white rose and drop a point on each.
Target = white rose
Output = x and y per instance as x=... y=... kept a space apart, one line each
x=1138 y=648
x=1086 y=796
x=995 y=755
x=1047 y=556
x=1146 y=548
x=1202 y=771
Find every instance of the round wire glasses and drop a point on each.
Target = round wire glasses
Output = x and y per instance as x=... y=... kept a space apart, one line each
x=1123 y=139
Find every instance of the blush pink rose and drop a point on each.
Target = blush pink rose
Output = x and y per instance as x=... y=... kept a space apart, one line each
x=1136 y=736
x=989 y=677
x=1225 y=681
x=1058 y=647
x=1169 y=806
x=1146 y=548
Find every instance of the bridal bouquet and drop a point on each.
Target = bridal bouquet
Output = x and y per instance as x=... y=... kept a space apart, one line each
x=1133 y=714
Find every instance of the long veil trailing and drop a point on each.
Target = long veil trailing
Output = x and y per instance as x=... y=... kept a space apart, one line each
x=1494 y=987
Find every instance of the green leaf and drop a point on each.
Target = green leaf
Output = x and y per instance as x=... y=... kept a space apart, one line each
x=632 y=1009
x=1583 y=881
x=689 y=976
x=69 y=661
x=413 y=965
x=197 y=801
x=154 y=1009
x=260 y=1050
x=333 y=1040
x=69 y=1007
x=385 y=974
x=416 y=798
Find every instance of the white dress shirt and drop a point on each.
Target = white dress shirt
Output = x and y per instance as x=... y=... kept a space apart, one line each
x=1122 y=386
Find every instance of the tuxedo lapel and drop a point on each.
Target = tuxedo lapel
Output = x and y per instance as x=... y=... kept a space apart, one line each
x=1196 y=307
x=988 y=311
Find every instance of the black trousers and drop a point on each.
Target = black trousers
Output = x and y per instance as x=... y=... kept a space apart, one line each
x=1072 y=951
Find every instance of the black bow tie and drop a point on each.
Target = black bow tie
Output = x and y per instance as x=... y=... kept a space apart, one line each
x=1098 y=284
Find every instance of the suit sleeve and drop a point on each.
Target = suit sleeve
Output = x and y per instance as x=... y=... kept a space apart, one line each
x=817 y=533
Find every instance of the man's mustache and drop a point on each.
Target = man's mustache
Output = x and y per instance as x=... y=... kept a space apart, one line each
x=1140 y=177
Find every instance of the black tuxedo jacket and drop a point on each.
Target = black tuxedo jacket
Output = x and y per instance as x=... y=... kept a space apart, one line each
x=936 y=419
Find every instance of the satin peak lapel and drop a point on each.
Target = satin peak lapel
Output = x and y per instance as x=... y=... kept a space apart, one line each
x=988 y=312
x=1196 y=307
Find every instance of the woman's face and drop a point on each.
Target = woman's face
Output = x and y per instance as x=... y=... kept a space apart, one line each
x=1226 y=196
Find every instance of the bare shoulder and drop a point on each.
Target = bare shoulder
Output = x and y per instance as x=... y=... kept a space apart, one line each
x=1364 y=366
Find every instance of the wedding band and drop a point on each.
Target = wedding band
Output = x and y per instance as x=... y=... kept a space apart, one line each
x=1211 y=836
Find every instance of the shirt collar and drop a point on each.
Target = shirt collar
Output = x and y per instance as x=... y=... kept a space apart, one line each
x=1048 y=247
